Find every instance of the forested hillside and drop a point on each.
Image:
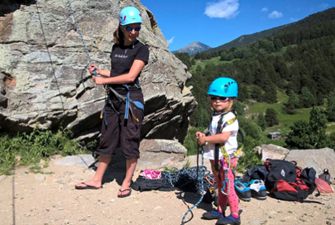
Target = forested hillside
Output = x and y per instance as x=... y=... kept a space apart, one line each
x=300 y=58
x=297 y=60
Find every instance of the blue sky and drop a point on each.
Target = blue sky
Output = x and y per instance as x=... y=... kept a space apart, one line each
x=216 y=22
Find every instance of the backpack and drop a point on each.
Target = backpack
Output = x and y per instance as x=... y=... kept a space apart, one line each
x=258 y=172
x=287 y=181
x=279 y=170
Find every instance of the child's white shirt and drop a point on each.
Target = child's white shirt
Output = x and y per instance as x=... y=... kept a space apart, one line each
x=231 y=144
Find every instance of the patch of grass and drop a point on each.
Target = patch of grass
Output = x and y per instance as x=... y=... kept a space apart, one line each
x=330 y=128
x=212 y=61
x=34 y=149
x=285 y=120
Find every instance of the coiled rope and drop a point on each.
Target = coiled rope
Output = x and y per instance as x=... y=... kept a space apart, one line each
x=200 y=173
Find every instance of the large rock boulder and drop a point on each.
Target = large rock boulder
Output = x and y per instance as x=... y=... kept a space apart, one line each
x=45 y=48
x=271 y=151
x=319 y=159
x=159 y=154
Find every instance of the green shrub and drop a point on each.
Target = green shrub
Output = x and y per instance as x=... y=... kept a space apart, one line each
x=250 y=158
x=29 y=149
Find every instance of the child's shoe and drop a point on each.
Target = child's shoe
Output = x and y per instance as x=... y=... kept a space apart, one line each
x=212 y=215
x=258 y=189
x=229 y=220
x=242 y=190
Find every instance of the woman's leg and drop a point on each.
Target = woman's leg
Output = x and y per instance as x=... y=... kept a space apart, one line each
x=125 y=189
x=96 y=180
x=130 y=169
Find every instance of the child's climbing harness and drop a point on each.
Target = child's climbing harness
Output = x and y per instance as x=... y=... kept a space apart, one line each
x=220 y=164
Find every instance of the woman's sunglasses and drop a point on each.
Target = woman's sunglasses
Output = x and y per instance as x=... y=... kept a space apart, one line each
x=130 y=29
x=215 y=98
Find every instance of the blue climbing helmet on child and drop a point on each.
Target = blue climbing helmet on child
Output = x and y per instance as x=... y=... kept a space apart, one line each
x=223 y=87
x=129 y=15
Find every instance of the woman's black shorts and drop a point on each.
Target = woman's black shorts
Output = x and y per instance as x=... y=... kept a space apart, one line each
x=118 y=133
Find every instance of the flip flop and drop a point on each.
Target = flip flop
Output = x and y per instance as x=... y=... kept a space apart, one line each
x=121 y=193
x=85 y=186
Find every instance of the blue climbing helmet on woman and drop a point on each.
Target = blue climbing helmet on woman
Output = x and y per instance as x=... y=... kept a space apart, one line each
x=129 y=15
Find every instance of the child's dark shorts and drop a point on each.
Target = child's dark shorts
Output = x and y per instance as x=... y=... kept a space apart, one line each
x=116 y=133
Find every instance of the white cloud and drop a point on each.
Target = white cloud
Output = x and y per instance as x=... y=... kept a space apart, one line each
x=264 y=9
x=222 y=9
x=170 y=41
x=275 y=14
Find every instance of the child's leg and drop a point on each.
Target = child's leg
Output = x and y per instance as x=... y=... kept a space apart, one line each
x=222 y=199
x=232 y=196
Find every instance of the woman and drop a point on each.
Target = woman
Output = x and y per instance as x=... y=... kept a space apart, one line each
x=123 y=111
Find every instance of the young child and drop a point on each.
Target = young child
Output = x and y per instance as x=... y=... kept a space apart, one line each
x=220 y=146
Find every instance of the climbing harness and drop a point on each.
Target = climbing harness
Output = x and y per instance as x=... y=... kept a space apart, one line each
x=128 y=102
x=226 y=160
x=218 y=146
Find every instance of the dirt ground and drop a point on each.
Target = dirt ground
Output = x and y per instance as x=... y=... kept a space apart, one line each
x=50 y=199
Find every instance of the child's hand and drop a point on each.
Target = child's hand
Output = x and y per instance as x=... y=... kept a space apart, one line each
x=200 y=137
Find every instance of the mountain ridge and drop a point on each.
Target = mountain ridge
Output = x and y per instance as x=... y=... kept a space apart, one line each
x=193 y=48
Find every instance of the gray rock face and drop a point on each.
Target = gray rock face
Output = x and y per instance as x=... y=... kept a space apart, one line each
x=319 y=159
x=157 y=154
x=45 y=48
x=271 y=151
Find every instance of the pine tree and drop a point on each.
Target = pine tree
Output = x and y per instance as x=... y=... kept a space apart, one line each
x=271 y=117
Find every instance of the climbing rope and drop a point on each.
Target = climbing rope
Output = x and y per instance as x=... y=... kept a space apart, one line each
x=77 y=29
x=201 y=171
x=81 y=36
x=49 y=55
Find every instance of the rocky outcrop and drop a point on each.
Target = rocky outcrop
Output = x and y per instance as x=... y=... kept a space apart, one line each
x=45 y=48
x=271 y=151
x=158 y=154
x=319 y=159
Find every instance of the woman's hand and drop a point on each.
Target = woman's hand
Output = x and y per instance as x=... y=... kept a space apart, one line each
x=93 y=70
x=99 y=80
